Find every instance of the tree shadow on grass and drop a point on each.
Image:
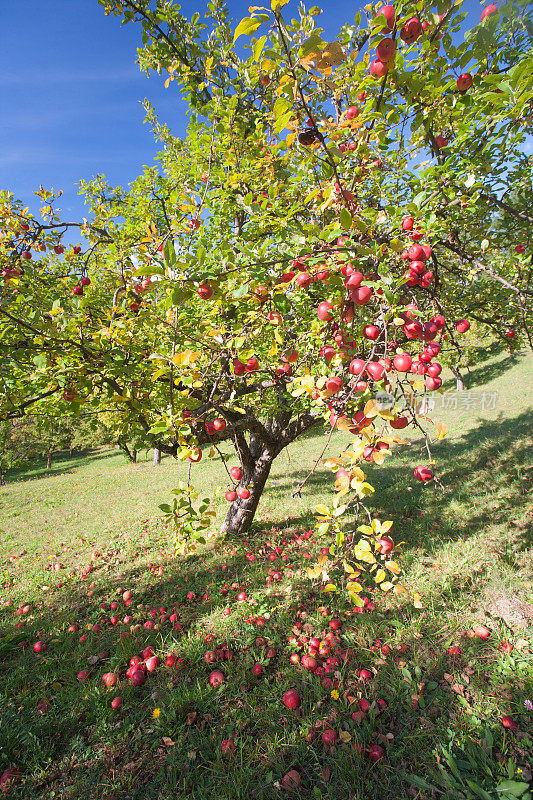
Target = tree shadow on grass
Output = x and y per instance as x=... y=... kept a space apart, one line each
x=195 y=717
x=486 y=465
x=484 y=373
x=61 y=464
x=489 y=464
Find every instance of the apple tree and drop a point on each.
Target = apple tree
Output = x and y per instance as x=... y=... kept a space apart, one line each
x=336 y=219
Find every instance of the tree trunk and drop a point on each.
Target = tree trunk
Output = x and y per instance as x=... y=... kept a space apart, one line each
x=2 y=478
x=459 y=378
x=131 y=455
x=157 y=457
x=48 y=459
x=241 y=512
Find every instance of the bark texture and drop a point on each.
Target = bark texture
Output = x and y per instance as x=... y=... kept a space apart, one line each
x=257 y=455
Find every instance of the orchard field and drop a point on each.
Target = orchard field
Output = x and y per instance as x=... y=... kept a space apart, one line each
x=467 y=556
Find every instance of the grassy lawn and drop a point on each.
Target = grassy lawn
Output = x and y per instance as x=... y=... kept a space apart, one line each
x=75 y=538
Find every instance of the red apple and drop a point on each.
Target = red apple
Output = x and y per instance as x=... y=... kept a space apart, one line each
x=454 y=651
x=309 y=663
x=243 y=492
x=390 y=15
x=433 y=383
x=84 y=675
x=375 y=370
x=304 y=280
x=323 y=311
x=251 y=365
x=352 y=112
x=423 y=474
x=399 y=423
x=481 y=631
x=230 y=496
x=371 y=332
x=236 y=473
x=407 y=223
x=138 y=677
x=411 y=31
x=462 y=326
x=110 y=679
x=464 y=81
x=376 y=753
x=334 y=384
x=116 y=703
x=228 y=747
x=386 y=50
x=509 y=723
x=384 y=545
x=378 y=69
x=354 y=280
x=152 y=663
x=402 y=362
x=291 y=699
x=9 y=777
x=216 y=678
x=488 y=11
x=329 y=737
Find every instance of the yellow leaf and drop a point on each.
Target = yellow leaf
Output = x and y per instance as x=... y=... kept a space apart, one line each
x=353 y=586
x=342 y=484
x=371 y=410
x=386 y=586
x=356 y=600
x=313 y=572
x=330 y=587
x=442 y=430
x=322 y=559
x=290 y=139
x=273 y=349
x=417 y=600
x=379 y=457
x=400 y=589
x=418 y=386
x=386 y=526
x=393 y=566
x=333 y=463
x=275 y=5
x=380 y=576
x=324 y=510
x=345 y=736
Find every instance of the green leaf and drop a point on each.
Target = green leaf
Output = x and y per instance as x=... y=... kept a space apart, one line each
x=421 y=783
x=166 y=508
x=515 y=788
x=246 y=27
x=345 y=219
x=170 y=253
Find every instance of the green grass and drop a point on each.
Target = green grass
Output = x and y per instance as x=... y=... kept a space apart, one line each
x=460 y=543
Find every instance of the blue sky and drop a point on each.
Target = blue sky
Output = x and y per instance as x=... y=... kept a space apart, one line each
x=71 y=92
